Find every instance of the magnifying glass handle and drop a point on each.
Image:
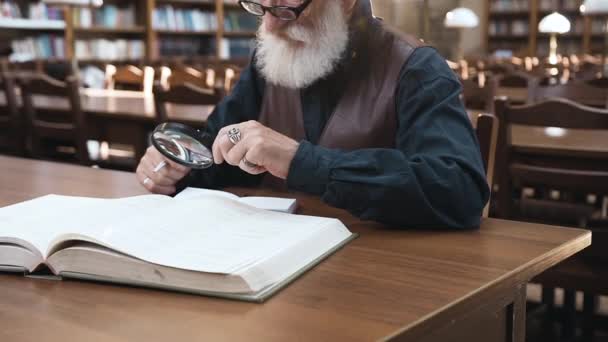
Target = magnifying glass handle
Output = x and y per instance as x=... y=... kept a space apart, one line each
x=160 y=166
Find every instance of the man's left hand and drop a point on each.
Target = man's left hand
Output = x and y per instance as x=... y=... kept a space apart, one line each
x=268 y=150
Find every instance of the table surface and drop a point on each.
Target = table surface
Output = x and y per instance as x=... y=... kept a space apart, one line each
x=594 y=142
x=132 y=105
x=124 y=104
x=388 y=282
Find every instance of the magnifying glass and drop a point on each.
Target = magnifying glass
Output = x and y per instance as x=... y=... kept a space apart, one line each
x=184 y=145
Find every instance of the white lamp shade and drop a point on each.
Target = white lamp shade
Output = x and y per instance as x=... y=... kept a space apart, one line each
x=594 y=6
x=554 y=23
x=461 y=17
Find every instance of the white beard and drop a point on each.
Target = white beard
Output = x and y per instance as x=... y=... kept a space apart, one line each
x=285 y=64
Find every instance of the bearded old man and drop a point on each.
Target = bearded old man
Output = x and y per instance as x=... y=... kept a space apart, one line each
x=336 y=105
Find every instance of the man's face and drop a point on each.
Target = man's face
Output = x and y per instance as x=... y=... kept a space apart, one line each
x=296 y=53
x=277 y=26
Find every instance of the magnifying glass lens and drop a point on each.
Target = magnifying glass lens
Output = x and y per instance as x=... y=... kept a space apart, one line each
x=183 y=145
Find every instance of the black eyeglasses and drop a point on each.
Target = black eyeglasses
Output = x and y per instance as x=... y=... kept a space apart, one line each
x=286 y=13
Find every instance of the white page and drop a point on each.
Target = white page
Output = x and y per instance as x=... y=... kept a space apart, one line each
x=209 y=234
x=191 y=193
x=41 y=220
x=286 y=205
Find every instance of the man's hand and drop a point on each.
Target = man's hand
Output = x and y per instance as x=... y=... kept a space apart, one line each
x=269 y=150
x=163 y=180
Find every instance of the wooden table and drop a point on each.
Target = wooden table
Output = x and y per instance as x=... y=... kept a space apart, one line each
x=589 y=143
x=121 y=116
x=388 y=284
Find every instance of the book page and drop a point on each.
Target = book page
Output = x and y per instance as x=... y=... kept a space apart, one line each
x=39 y=221
x=285 y=205
x=208 y=234
x=193 y=193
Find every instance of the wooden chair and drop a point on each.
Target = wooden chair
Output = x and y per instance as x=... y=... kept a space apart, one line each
x=517 y=86
x=202 y=78
x=548 y=169
x=601 y=82
x=226 y=78
x=183 y=94
x=579 y=92
x=11 y=122
x=487 y=135
x=129 y=77
x=478 y=97
x=56 y=127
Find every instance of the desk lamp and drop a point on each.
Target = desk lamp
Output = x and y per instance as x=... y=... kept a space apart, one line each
x=554 y=24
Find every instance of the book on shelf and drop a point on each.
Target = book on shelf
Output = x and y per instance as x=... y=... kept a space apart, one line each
x=41 y=47
x=119 y=49
x=169 y=18
x=107 y=16
x=35 y=11
x=237 y=47
x=202 y=243
x=238 y=21
x=510 y=5
x=185 y=46
x=10 y=9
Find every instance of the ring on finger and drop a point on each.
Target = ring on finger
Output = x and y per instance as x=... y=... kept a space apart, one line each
x=249 y=164
x=234 y=135
x=146 y=181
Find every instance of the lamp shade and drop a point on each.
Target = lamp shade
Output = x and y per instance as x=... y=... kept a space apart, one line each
x=554 y=23
x=594 y=6
x=461 y=17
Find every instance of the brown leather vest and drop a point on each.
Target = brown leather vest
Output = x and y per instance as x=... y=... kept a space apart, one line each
x=365 y=116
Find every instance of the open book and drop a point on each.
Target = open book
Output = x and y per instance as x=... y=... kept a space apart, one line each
x=205 y=244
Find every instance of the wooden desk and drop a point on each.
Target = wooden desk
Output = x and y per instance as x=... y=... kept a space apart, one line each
x=569 y=142
x=124 y=105
x=125 y=117
x=404 y=285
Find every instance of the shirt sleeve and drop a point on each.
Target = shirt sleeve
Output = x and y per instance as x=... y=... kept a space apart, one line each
x=433 y=178
x=242 y=104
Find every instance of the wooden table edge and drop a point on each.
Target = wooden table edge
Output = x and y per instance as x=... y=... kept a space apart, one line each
x=522 y=274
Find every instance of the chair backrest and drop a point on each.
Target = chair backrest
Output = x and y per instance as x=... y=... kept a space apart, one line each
x=487 y=135
x=579 y=92
x=601 y=82
x=478 y=97
x=202 y=78
x=183 y=94
x=57 y=116
x=517 y=86
x=226 y=77
x=129 y=77
x=545 y=165
x=11 y=122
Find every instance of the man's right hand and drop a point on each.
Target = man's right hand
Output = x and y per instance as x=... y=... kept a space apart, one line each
x=162 y=181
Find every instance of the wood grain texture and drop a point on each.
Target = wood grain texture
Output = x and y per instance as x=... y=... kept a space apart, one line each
x=389 y=283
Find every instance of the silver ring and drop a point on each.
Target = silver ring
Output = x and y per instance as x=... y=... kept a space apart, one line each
x=147 y=180
x=234 y=134
x=249 y=164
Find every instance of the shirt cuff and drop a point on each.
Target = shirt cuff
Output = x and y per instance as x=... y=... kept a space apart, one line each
x=310 y=168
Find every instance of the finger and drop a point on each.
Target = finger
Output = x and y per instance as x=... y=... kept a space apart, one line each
x=217 y=156
x=235 y=155
x=158 y=158
x=249 y=166
x=151 y=186
x=222 y=146
x=159 y=178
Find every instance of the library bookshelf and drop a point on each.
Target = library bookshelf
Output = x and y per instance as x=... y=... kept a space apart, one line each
x=512 y=25
x=149 y=31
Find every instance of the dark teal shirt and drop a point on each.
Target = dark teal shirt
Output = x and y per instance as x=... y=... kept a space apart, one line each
x=433 y=178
